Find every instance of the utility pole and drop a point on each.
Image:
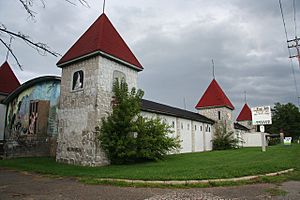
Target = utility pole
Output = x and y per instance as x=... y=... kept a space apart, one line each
x=295 y=44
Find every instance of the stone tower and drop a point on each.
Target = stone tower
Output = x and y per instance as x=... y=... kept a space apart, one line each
x=215 y=105
x=89 y=69
x=245 y=118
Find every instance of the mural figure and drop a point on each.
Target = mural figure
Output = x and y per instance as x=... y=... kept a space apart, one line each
x=31 y=128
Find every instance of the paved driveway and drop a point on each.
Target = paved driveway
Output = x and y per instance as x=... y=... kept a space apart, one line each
x=20 y=185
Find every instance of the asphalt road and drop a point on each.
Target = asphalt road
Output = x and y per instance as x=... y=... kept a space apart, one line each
x=21 y=185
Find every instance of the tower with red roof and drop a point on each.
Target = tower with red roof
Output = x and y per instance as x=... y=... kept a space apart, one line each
x=215 y=105
x=89 y=69
x=245 y=117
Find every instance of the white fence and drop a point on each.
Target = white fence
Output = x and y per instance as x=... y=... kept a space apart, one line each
x=251 y=139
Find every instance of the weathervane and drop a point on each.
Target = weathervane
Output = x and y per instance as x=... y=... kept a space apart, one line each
x=213 y=68
x=103 y=7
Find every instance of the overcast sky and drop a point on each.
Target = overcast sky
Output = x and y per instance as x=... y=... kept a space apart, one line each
x=175 y=41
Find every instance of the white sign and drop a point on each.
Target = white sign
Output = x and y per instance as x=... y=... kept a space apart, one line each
x=261 y=115
x=287 y=141
x=262 y=128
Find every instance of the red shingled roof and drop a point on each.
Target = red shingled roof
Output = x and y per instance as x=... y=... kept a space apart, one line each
x=8 y=80
x=101 y=36
x=214 y=97
x=245 y=114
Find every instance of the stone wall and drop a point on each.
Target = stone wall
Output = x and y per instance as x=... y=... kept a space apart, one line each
x=30 y=146
x=248 y=124
x=81 y=110
x=225 y=114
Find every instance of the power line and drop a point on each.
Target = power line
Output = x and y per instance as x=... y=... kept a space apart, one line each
x=295 y=21
x=289 y=51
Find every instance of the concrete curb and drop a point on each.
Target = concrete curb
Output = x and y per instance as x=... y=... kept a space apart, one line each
x=188 y=182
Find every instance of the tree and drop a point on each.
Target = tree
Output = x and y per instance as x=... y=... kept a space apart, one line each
x=224 y=139
x=126 y=136
x=286 y=118
x=7 y=35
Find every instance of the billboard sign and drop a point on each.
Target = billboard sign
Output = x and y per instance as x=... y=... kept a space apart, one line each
x=261 y=115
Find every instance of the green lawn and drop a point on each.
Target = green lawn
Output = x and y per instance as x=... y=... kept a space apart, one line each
x=205 y=165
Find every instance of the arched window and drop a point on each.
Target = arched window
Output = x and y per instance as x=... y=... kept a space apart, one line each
x=77 y=80
x=120 y=76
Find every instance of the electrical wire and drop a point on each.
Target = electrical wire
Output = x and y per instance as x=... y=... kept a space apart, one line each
x=289 y=51
x=295 y=14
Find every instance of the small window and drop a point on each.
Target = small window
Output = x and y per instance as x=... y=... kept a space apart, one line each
x=200 y=128
x=120 y=76
x=173 y=124
x=195 y=127
x=219 y=115
x=208 y=129
x=181 y=125
x=188 y=126
x=78 y=78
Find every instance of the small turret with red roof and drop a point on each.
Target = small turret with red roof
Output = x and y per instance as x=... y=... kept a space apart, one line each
x=215 y=105
x=245 y=117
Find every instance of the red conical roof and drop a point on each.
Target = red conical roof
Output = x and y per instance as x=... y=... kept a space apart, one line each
x=245 y=114
x=8 y=80
x=101 y=37
x=214 y=97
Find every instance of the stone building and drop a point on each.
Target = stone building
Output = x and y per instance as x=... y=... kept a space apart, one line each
x=245 y=118
x=89 y=69
x=215 y=105
x=84 y=95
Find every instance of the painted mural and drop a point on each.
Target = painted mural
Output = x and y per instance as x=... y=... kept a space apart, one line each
x=19 y=119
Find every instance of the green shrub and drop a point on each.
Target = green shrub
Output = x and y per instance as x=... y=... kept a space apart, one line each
x=224 y=139
x=273 y=141
x=152 y=140
x=126 y=136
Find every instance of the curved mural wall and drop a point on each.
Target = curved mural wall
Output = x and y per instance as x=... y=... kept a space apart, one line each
x=31 y=118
